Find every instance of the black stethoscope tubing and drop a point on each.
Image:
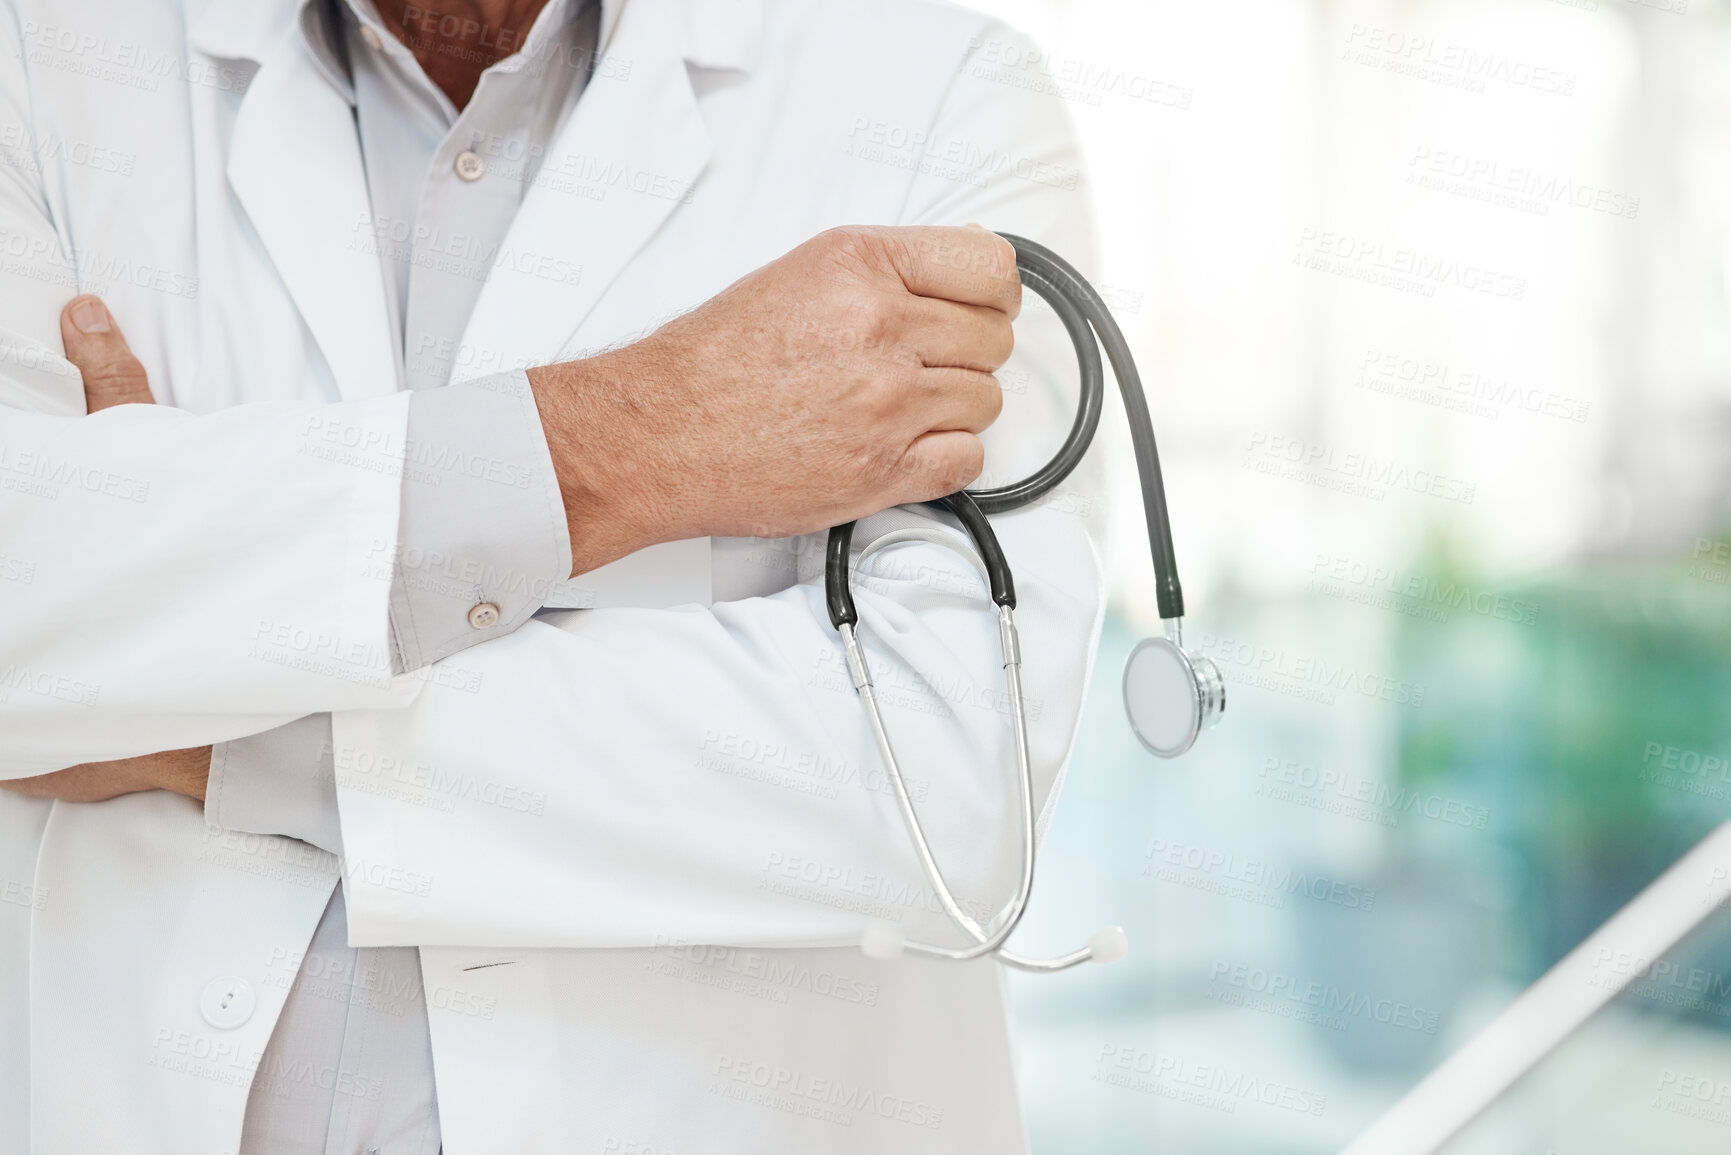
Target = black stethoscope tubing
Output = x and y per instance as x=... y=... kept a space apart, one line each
x=1091 y=327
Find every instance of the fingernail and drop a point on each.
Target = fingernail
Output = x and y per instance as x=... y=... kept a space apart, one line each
x=90 y=316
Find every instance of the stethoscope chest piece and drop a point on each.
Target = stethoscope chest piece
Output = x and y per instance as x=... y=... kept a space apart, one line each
x=1171 y=696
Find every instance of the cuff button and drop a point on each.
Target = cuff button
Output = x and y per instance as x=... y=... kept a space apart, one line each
x=483 y=616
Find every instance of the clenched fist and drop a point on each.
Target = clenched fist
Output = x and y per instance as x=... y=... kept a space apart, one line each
x=852 y=374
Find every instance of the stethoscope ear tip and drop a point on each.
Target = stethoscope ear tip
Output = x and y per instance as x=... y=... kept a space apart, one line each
x=1108 y=944
x=883 y=940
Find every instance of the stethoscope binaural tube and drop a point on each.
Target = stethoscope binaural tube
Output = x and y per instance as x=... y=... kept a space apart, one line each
x=883 y=940
x=1189 y=681
x=1086 y=318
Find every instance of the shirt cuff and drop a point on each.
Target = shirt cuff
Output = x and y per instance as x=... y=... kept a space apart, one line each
x=483 y=538
x=282 y=781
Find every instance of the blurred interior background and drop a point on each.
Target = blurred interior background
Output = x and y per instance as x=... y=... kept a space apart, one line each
x=1431 y=298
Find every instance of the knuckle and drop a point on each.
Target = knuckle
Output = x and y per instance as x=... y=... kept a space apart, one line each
x=981 y=251
x=118 y=369
x=999 y=263
x=1001 y=258
x=874 y=462
x=112 y=384
x=108 y=364
x=965 y=463
x=992 y=398
x=888 y=393
x=1000 y=340
x=856 y=245
x=115 y=378
x=896 y=332
x=879 y=319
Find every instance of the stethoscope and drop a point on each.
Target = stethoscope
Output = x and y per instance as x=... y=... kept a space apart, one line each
x=1170 y=694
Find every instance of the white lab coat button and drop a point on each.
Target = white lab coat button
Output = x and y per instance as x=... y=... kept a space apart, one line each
x=371 y=37
x=484 y=616
x=226 y=1002
x=469 y=165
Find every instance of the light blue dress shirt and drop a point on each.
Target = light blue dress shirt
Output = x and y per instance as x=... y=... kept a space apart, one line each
x=349 y=1067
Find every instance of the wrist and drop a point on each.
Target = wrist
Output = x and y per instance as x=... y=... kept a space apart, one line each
x=184 y=771
x=608 y=512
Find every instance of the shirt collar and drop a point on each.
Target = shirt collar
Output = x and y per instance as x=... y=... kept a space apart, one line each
x=723 y=34
x=322 y=26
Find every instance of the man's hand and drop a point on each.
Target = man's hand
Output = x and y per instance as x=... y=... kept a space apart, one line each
x=852 y=374
x=112 y=376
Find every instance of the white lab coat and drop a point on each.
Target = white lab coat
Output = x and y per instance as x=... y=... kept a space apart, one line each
x=556 y=816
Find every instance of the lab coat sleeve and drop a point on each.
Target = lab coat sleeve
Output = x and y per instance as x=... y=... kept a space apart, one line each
x=170 y=580
x=181 y=580
x=628 y=777
x=166 y=580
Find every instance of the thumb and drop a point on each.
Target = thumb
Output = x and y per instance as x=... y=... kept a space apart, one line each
x=94 y=343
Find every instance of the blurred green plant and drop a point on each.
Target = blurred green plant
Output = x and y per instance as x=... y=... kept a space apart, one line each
x=1576 y=727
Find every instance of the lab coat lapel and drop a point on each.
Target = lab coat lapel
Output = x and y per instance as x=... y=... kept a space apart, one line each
x=295 y=164
x=626 y=158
